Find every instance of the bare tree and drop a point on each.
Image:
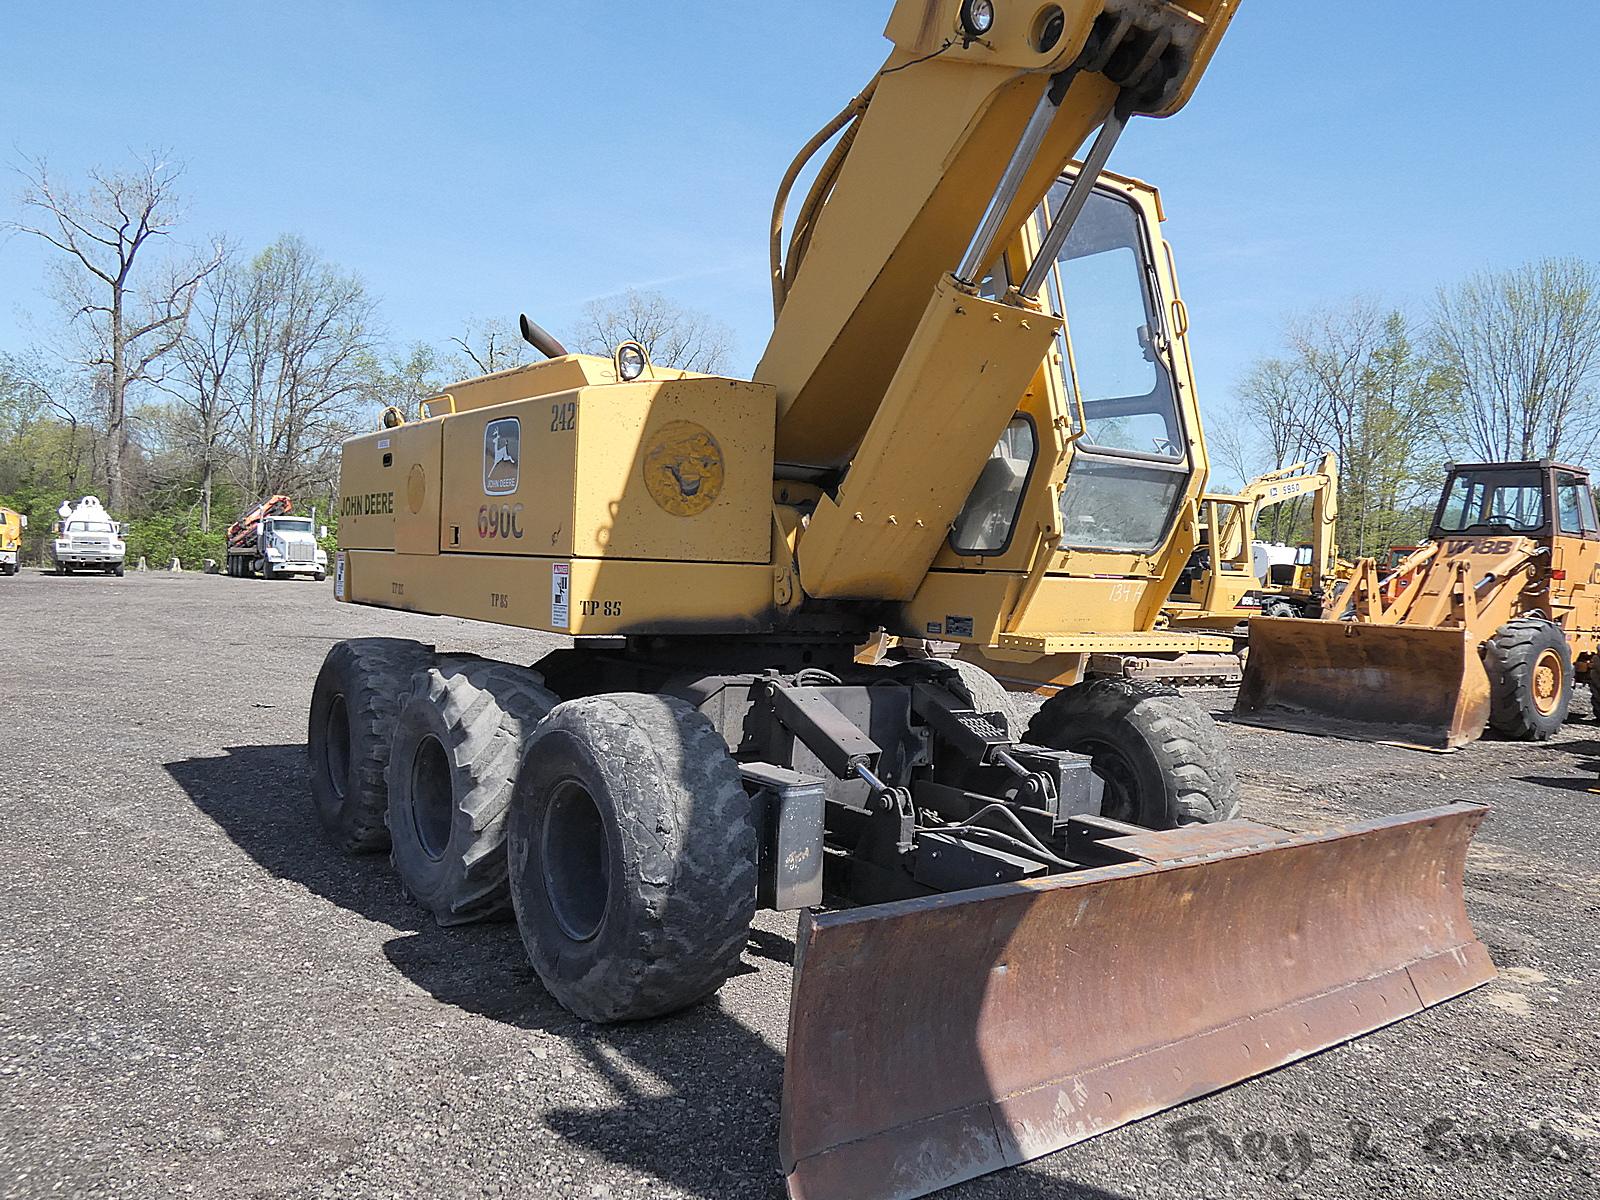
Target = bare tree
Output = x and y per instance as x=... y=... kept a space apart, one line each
x=410 y=376
x=487 y=346
x=307 y=362
x=1353 y=382
x=1520 y=350
x=124 y=330
x=674 y=336
x=207 y=376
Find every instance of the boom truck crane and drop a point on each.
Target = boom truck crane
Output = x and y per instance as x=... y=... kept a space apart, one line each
x=270 y=542
x=988 y=965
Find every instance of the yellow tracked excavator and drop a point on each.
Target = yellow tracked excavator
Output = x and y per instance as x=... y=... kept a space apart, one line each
x=974 y=422
x=1487 y=625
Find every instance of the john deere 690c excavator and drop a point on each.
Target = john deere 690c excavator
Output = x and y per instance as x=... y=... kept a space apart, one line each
x=960 y=429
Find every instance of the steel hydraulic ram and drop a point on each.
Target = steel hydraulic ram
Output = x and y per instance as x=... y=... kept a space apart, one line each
x=937 y=1039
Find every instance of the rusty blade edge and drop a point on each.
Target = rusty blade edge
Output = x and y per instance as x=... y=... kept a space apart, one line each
x=983 y=1132
x=1025 y=1125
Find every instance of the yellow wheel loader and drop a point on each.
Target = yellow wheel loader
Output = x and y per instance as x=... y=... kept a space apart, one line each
x=971 y=424
x=1488 y=625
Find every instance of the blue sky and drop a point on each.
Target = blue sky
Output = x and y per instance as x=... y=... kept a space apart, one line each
x=473 y=160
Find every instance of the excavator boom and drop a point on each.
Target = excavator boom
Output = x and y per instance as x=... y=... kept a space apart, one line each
x=950 y=150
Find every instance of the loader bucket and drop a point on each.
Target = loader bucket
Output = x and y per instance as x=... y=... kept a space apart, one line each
x=1411 y=684
x=937 y=1039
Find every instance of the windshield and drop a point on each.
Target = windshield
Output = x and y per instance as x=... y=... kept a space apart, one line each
x=90 y=527
x=1102 y=289
x=1496 y=499
x=302 y=525
x=1130 y=470
x=1118 y=504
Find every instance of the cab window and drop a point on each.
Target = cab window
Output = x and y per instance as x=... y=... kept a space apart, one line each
x=1130 y=469
x=1101 y=287
x=1494 y=500
x=990 y=515
x=1574 y=504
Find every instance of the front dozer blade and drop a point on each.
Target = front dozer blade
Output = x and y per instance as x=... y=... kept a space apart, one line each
x=934 y=1040
x=1415 y=685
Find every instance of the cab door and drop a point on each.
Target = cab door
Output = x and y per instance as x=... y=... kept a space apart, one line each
x=1575 y=555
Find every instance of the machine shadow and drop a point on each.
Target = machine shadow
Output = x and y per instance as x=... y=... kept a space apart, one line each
x=694 y=1097
x=260 y=797
x=1585 y=783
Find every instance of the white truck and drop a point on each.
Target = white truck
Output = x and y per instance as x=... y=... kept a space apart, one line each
x=87 y=539
x=270 y=543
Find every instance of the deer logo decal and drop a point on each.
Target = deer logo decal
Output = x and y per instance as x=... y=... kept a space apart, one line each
x=502 y=448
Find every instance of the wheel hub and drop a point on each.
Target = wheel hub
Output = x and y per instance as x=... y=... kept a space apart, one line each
x=577 y=861
x=432 y=803
x=1547 y=682
x=1120 y=800
x=336 y=746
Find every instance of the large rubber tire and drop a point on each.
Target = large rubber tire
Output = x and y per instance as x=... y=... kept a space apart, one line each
x=1529 y=663
x=1280 y=608
x=970 y=684
x=117 y=570
x=452 y=764
x=633 y=856
x=1163 y=762
x=353 y=708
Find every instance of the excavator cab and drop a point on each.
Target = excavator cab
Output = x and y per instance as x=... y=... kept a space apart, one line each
x=1087 y=509
x=1488 y=623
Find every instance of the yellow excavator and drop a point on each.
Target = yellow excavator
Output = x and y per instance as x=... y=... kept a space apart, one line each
x=1224 y=583
x=971 y=423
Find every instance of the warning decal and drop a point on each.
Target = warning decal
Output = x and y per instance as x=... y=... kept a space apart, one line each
x=338 y=578
x=561 y=596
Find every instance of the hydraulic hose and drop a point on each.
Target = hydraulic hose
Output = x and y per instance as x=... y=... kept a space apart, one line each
x=849 y=113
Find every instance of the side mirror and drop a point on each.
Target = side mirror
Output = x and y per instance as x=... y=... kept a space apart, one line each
x=323 y=532
x=24 y=522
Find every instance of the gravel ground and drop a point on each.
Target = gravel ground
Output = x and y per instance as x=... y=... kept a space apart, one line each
x=199 y=997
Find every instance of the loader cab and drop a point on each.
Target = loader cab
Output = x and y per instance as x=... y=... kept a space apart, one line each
x=1539 y=500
